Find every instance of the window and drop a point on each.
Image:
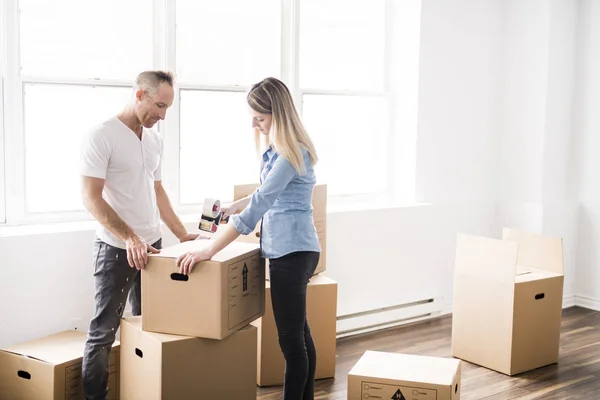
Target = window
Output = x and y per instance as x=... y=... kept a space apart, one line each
x=221 y=49
x=66 y=66
x=51 y=176
x=344 y=92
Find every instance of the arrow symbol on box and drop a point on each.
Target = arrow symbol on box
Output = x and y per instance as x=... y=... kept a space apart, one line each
x=245 y=278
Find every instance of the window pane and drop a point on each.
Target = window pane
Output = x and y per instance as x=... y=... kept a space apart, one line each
x=217 y=145
x=342 y=44
x=352 y=150
x=84 y=39
x=228 y=42
x=53 y=138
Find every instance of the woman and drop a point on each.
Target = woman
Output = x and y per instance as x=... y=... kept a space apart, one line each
x=288 y=235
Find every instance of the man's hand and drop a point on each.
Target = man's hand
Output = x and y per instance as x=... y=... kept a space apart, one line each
x=188 y=237
x=137 y=252
x=186 y=261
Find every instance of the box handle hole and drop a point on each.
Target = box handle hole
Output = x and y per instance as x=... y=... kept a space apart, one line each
x=455 y=388
x=540 y=296
x=179 y=277
x=24 y=374
x=139 y=353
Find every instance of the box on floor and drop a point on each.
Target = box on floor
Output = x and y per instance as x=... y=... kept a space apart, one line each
x=395 y=376
x=319 y=203
x=217 y=298
x=508 y=296
x=49 y=368
x=321 y=310
x=158 y=366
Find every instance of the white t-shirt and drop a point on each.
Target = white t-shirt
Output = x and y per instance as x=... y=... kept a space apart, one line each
x=129 y=166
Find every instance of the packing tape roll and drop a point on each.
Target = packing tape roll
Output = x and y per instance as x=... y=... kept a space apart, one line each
x=212 y=208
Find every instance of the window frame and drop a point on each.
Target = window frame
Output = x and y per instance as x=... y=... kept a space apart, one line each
x=12 y=144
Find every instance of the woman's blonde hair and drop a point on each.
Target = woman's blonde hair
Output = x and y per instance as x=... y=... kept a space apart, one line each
x=288 y=135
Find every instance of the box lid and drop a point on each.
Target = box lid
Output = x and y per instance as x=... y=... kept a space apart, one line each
x=233 y=250
x=54 y=349
x=407 y=368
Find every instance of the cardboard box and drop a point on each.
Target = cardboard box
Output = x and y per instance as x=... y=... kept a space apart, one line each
x=321 y=309
x=216 y=299
x=508 y=301
x=160 y=366
x=319 y=202
x=394 y=376
x=49 y=368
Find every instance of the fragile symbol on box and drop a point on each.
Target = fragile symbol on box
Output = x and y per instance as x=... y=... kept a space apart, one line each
x=398 y=396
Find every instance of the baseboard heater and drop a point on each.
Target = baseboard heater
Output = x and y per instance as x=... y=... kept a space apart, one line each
x=387 y=317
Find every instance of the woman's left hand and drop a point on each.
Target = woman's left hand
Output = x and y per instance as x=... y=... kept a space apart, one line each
x=186 y=261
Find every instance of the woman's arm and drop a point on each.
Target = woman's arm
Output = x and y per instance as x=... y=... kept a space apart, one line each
x=260 y=201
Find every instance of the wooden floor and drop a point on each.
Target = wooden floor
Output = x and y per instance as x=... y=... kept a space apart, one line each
x=576 y=376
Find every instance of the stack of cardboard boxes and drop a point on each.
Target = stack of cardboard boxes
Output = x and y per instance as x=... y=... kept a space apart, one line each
x=195 y=337
x=321 y=298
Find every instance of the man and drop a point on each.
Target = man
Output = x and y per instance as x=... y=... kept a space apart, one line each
x=122 y=188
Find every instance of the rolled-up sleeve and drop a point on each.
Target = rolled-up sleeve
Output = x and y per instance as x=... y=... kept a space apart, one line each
x=263 y=198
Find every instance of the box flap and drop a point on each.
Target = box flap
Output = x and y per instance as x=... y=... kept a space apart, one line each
x=486 y=258
x=55 y=349
x=407 y=368
x=537 y=251
x=241 y=191
x=136 y=322
x=230 y=252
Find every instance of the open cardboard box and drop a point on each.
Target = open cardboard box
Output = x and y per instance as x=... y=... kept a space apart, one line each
x=508 y=301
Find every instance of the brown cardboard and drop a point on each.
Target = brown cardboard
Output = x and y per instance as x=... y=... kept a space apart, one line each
x=160 y=366
x=394 y=376
x=216 y=299
x=49 y=368
x=508 y=301
x=319 y=203
x=321 y=310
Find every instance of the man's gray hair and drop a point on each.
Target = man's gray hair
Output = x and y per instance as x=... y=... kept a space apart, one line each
x=150 y=80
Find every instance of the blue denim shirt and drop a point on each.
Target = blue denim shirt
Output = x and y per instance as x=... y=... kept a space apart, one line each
x=284 y=202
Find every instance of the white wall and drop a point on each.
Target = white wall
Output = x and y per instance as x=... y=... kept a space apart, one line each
x=495 y=82
x=535 y=188
x=460 y=99
x=588 y=155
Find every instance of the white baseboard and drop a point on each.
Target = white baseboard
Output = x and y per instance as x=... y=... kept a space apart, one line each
x=587 y=302
x=569 y=301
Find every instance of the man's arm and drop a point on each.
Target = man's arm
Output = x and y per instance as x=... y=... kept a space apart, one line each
x=167 y=214
x=101 y=210
x=137 y=248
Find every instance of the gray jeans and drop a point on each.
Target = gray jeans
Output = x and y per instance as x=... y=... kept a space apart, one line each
x=114 y=280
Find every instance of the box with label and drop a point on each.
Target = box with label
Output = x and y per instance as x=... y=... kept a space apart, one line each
x=395 y=376
x=216 y=299
x=157 y=366
x=508 y=301
x=321 y=310
x=49 y=368
x=319 y=203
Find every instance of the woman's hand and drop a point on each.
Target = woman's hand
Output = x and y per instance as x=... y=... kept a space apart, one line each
x=229 y=209
x=186 y=261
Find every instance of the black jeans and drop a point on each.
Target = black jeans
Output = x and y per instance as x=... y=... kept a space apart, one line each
x=289 y=276
x=114 y=280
